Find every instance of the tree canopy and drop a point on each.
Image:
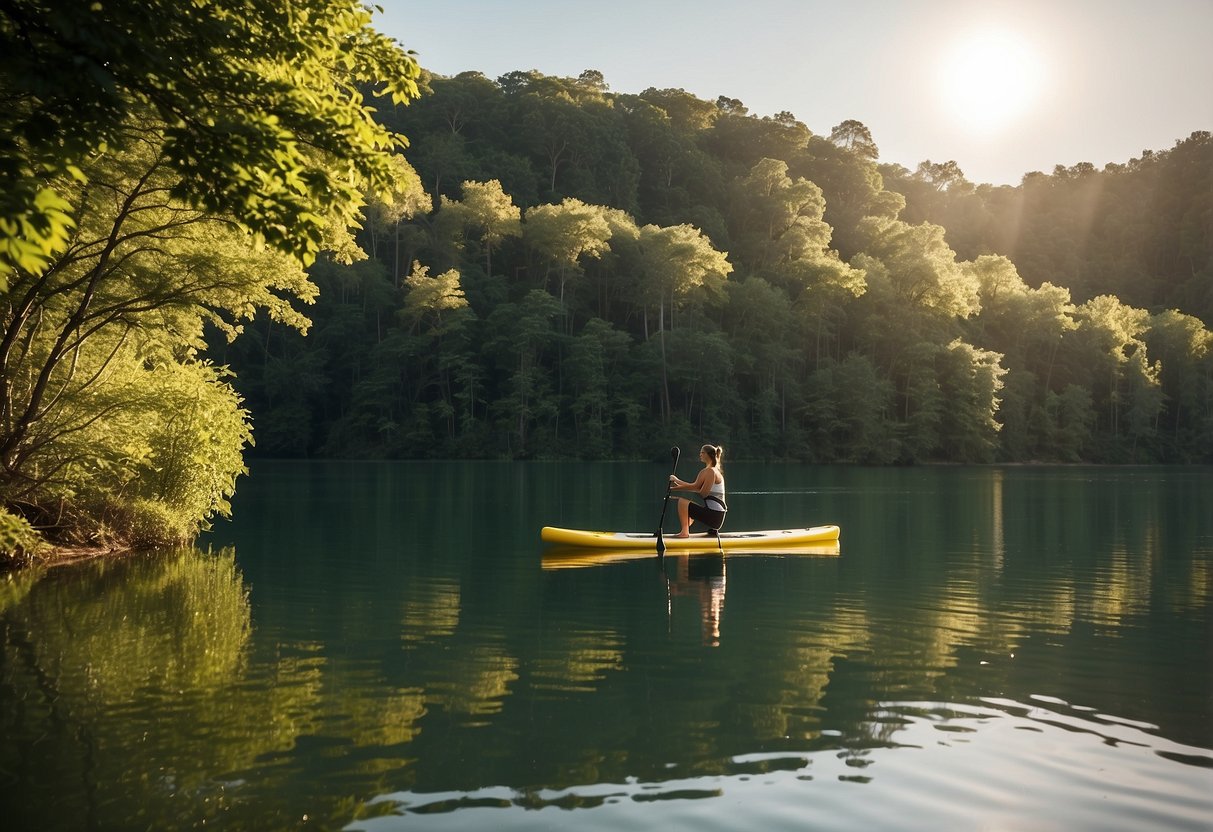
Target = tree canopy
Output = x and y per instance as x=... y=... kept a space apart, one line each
x=173 y=168
x=261 y=103
x=718 y=274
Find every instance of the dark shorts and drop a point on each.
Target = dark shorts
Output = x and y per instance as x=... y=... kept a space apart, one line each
x=709 y=517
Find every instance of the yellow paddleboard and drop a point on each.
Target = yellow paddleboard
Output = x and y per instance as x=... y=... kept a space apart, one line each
x=647 y=541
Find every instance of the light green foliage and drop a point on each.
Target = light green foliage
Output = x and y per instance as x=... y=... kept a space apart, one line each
x=970 y=379
x=780 y=234
x=778 y=219
x=678 y=259
x=431 y=296
x=1113 y=327
x=919 y=268
x=674 y=262
x=1121 y=375
x=685 y=111
x=487 y=210
x=853 y=189
x=1180 y=336
x=94 y=640
x=31 y=233
x=623 y=227
x=161 y=461
x=405 y=198
x=262 y=105
x=564 y=234
x=491 y=211
x=108 y=421
x=206 y=151
x=1030 y=327
x=1051 y=312
x=1026 y=324
x=1112 y=334
x=998 y=282
x=19 y=541
x=829 y=285
x=385 y=210
x=1184 y=347
x=855 y=137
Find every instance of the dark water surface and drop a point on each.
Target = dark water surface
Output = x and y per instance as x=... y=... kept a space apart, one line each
x=379 y=647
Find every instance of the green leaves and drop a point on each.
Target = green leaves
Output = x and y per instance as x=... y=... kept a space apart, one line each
x=777 y=219
x=488 y=211
x=30 y=237
x=564 y=234
x=19 y=541
x=105 y=408
x=266 y=119
x=919 y=267
x=431 y=296
x=678 y=259
x=567 y=232
x=491 y=210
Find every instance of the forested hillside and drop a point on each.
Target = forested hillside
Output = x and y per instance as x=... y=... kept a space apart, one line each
x=588 y=274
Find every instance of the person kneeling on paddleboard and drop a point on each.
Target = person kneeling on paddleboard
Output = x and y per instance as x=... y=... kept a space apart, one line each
x=709 y=485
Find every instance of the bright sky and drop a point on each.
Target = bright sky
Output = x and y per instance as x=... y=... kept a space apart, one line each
x=1003 y=88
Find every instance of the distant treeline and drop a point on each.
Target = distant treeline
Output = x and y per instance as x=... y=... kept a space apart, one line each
x=581 y=273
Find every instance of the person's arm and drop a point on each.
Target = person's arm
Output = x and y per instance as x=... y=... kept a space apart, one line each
x=702 y=484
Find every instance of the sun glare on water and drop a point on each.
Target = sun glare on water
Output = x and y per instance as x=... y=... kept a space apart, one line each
x=986 y=80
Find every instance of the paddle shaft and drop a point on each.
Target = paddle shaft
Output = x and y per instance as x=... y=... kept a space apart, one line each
x=674 y=452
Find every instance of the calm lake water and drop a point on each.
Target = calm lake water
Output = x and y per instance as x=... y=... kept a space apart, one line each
x=380 y=647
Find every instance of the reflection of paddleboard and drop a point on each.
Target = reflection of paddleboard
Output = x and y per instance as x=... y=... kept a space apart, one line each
x=647 y=541
x=572 y=557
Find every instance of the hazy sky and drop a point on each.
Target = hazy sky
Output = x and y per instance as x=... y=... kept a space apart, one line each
x=1003 y=88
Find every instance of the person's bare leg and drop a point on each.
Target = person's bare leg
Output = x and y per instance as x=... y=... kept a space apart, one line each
x=684 y=517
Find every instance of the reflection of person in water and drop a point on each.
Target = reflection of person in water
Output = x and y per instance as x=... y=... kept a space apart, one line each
x=702 y=576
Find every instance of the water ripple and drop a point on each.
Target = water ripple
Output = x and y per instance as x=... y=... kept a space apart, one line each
x=1001 y=763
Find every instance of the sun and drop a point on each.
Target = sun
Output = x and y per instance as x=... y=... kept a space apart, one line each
x=988 y=79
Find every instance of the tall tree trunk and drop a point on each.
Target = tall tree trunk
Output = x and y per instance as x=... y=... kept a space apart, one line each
x=666 y=408
x=522 y=402
x=396 y=258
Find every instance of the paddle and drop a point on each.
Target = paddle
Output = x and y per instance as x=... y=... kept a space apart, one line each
x=660 y=542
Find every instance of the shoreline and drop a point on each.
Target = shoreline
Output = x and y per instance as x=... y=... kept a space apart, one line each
x=51 y=556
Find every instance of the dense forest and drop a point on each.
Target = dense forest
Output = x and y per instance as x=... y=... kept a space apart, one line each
x=581 y=273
